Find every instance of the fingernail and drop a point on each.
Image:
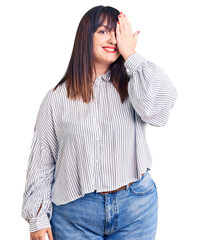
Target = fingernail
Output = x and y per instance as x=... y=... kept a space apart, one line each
x=118 y=23
x=138 y=32
x=124 y=15
x=119 y=16
x=120 y=12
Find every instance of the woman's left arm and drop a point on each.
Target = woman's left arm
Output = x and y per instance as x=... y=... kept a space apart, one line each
x=150 y=90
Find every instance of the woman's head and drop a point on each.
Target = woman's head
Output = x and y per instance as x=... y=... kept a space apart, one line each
x=91 y=36
x=89 y=53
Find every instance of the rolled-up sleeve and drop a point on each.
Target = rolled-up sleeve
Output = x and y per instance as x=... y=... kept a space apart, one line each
x=40 y=169
x=151 y=92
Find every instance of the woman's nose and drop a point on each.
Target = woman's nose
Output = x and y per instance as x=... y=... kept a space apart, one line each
x=112 y=38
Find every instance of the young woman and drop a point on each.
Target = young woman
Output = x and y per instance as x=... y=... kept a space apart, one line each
x=88 y=171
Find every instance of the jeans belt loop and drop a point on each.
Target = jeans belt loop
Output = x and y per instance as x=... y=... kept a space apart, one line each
x=127 y=186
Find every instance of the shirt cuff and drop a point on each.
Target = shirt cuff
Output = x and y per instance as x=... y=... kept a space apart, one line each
x=132 y=62
x=39 y=223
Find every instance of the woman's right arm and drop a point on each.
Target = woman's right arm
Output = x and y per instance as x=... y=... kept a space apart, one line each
x=37 y=205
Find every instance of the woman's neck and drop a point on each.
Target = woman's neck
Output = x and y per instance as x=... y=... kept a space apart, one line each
x=100 y=71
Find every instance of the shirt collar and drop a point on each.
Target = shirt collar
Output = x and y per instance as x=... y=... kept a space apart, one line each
x=106 y=76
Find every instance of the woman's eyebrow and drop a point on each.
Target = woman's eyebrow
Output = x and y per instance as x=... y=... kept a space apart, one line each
x=104 y=26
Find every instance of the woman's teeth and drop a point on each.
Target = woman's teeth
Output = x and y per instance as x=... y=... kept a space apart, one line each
x=109 y=50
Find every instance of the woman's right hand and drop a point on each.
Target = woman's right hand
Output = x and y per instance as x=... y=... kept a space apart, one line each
x=40 y=234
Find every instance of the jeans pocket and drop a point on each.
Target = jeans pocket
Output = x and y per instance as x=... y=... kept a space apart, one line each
x=144 y=186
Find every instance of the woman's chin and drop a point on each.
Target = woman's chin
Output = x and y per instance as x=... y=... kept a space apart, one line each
x=111 y=59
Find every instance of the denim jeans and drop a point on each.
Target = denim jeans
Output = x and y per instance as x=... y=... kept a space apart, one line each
x=129 y=214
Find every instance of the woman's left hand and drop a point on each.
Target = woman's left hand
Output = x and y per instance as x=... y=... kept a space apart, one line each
x=126 y=40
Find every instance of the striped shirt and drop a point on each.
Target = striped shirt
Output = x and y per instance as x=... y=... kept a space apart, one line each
x=79 y=148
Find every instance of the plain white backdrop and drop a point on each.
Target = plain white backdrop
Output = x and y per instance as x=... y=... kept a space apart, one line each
x=35 y=46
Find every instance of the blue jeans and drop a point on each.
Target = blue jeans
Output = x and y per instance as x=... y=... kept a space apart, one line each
x=129 y=214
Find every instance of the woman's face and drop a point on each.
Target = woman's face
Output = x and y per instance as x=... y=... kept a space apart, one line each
x=104 y=38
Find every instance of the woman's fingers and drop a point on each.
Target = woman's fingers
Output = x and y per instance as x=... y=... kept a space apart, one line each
x=120 y=19
x=125 y=25
x=49 y=232
x=117 y=31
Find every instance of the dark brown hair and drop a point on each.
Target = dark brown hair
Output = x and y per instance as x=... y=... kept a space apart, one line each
x=79 y=73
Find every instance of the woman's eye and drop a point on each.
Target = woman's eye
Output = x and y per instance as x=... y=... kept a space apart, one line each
x=102 y=31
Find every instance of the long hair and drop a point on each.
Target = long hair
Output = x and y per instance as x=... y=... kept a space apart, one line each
x=79 y=73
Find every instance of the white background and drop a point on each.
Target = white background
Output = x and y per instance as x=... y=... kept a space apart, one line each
x=35 y=47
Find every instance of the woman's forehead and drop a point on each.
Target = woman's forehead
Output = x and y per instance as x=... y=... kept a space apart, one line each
x=108 y=22
x=105 y=25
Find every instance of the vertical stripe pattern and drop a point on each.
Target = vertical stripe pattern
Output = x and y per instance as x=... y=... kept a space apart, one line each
x=78 y=148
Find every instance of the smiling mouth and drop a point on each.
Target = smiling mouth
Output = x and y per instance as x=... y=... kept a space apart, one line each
x=110 y=50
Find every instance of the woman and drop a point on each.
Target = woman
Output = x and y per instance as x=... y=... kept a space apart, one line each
x=88 y=171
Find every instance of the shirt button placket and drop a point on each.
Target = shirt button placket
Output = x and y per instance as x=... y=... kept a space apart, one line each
x=97 y=132
x=97 y=159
